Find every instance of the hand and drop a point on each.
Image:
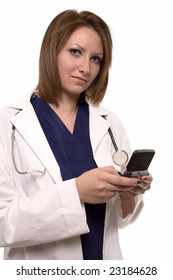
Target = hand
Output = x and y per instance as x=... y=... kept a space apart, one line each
x=143 y=185
x=100 y=184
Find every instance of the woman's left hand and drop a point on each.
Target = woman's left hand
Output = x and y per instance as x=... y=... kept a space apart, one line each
x=143 y=185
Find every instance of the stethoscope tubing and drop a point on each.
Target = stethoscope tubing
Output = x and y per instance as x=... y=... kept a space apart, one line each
x=34 y=170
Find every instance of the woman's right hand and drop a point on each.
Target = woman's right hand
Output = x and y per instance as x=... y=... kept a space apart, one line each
x=100 y=184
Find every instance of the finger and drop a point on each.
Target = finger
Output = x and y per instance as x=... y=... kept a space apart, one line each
x=147 y=179
x=116 y=180
x=140 y=189
x=127 y=182
x=115 y=188
x=144 y=186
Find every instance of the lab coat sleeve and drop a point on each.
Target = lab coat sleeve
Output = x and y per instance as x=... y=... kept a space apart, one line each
x=123 y=143
x=52 y=213
x=130 y=218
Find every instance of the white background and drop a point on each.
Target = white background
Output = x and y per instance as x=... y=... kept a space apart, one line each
x=139 y=92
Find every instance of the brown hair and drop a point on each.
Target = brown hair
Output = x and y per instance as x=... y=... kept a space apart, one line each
x=56 y=36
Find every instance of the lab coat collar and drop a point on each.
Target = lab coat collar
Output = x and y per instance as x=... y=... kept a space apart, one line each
x=27 y=124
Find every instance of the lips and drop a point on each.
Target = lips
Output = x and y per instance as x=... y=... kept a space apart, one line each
x=79 y=79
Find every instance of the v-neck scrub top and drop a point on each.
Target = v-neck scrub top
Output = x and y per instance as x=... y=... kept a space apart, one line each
x=74 y=156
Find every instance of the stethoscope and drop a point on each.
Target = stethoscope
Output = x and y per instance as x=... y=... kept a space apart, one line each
x=120 y=157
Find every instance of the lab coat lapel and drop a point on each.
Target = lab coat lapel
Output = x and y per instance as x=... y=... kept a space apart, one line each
x=27 y=124
x=98 y=128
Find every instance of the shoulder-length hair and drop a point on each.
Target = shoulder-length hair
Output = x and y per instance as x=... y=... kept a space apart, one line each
x=56 y=36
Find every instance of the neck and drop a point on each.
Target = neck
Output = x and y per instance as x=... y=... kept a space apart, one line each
x=65 y=106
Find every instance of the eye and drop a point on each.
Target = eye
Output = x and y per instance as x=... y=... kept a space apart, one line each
x=97 y=59
x=75 y=51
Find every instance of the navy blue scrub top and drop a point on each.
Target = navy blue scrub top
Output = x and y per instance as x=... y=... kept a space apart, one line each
x=74 y=155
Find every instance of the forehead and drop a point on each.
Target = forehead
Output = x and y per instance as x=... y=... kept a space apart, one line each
x=86 y=37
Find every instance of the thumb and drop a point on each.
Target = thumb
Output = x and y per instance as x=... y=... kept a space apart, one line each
x=110 y=169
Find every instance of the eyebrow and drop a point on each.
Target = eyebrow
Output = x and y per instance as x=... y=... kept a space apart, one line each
x=84 y=50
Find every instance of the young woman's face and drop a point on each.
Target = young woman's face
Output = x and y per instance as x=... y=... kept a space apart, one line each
x=79 y=60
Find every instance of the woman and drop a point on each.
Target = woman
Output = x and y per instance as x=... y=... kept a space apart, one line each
x=61 y=195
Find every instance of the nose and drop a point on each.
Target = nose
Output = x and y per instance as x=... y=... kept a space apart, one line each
x=84 y=66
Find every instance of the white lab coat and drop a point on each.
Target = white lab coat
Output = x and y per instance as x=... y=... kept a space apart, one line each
x=41 y=217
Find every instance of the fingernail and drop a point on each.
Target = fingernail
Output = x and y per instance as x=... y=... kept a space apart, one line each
x=139 y=183
x=146 y=181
